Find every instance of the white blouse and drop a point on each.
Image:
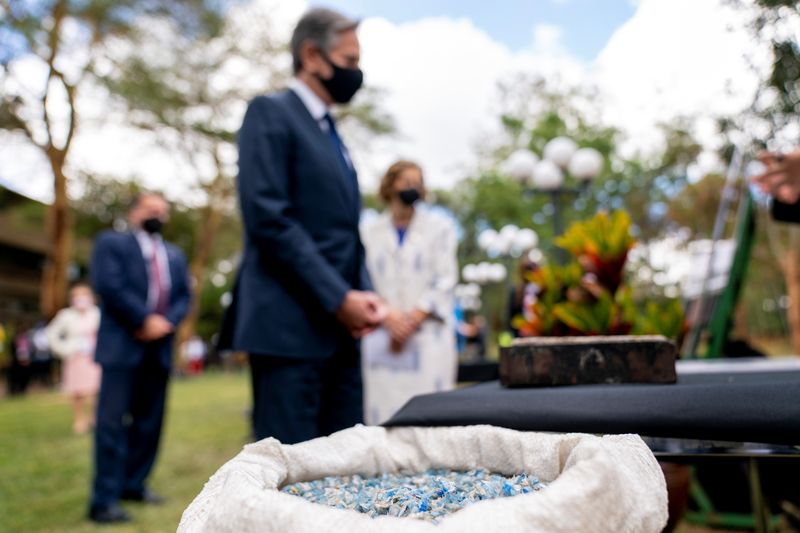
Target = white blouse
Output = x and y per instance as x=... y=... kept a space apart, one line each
x=73 y=332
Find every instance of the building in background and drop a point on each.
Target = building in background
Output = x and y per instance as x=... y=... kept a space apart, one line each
x=23 y=248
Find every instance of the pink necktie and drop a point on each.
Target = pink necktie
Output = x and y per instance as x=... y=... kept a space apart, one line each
x=158 y=280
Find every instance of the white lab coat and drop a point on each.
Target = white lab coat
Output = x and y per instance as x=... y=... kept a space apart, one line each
x=419 y=274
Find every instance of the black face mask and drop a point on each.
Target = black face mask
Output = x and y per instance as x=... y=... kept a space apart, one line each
x=344 y=83
x=409 y=196
x=153 y=225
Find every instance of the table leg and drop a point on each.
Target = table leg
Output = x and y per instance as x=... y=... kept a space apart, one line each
x=760 y=509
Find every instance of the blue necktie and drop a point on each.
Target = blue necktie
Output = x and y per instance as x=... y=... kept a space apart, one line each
x=340 y=150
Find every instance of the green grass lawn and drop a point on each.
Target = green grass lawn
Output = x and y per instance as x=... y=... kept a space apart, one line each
x=45 y=469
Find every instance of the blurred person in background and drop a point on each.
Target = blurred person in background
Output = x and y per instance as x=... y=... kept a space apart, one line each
x=411 y=257
x=143 y=284
x=781 y=180
x=72 y=336
x=19 y=371
x=473 y=331
x=523 y=294
x=193 y=353
x=41 y=355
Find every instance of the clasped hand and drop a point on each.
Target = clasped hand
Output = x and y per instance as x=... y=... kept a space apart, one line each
x=402 y=325
x=155 y=327
x=361 y=312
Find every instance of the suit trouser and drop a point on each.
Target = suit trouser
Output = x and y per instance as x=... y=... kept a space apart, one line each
x=130 y=412
x=300 y=399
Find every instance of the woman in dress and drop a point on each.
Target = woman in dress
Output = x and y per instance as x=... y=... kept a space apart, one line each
x=411 y=257
x=72 y=335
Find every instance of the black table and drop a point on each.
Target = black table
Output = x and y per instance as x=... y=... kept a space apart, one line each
x=725 y=400
x=726 y=408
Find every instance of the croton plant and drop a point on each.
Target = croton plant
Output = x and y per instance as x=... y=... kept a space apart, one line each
x=588 y=295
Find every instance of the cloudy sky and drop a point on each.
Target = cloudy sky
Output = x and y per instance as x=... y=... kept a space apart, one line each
x=439 y=65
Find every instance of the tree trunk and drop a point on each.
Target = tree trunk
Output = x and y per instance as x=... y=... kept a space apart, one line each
x=791 y=269
x=59 y=229
x=207 y=231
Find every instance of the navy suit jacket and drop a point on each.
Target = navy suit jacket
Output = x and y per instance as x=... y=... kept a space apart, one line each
x=119 y=277
x=302 y=249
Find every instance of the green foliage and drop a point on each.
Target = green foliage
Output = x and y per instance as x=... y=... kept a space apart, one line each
x=532 y=114
x=785 y=72
x=586 y=296
x=665 y=318
x=601 y=246
x=604 y=237
x=35 y=28
x=554 y=283
x=600 y=317
x=772 y=24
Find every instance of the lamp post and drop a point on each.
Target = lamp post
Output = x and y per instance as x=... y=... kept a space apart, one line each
x=484 y=273
x=507 y=244
x=561 y=155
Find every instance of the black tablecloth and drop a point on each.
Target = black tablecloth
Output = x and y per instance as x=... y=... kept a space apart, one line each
x=761 y=406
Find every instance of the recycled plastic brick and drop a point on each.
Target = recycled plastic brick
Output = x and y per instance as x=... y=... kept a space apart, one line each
x=428 y=496
x=548 y=361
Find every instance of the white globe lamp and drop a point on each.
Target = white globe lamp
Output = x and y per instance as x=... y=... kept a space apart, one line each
x=497 y=272
x=560 y=151
x=547 y=176
x=470 y=273
x=586 y=164
x=487 y=239
x=519 y=165
x=526 y=239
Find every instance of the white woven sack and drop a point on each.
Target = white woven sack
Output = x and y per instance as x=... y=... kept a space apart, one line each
x=611 y=483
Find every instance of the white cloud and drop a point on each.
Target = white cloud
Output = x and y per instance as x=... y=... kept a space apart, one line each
x=440 y=78
x=676 y=58
x=547 y=38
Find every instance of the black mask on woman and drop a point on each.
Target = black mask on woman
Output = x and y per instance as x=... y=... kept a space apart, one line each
x=344 y=83
x=153 y=225
x=409 y=196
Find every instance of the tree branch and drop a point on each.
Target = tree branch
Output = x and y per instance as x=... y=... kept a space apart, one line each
x=53 y=42
x=70 y=90
x=12 y=120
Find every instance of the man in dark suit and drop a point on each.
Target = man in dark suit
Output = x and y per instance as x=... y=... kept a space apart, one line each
x=303 y=295
x=143 y=284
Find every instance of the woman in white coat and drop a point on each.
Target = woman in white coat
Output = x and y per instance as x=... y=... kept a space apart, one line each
x=411 y=257
x=72 y=335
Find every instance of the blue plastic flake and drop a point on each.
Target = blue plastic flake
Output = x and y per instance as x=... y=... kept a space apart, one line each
x=428 y=496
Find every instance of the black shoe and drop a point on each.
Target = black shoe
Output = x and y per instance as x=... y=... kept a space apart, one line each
x=109 y=514
x=145 y=496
